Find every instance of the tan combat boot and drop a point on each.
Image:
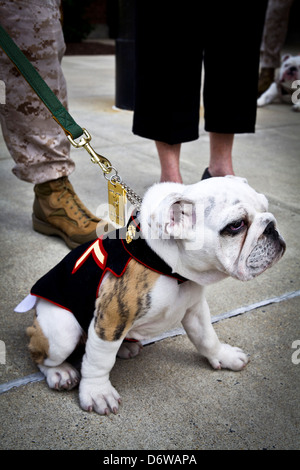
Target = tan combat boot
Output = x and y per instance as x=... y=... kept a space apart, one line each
x=57 y=210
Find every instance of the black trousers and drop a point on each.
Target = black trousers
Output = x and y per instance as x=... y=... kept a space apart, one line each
x=172 y=41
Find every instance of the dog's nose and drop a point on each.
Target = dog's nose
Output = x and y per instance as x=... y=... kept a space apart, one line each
x=292 y=69
x=270 y=231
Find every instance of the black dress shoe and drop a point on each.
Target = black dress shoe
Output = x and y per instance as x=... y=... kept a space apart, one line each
x=206 y=175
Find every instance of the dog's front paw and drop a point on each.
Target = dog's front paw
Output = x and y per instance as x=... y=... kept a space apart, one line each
x=261 y=102
x=102 y=398
x=229 y=357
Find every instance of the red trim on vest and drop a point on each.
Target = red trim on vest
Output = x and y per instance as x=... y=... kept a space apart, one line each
x=52 y=302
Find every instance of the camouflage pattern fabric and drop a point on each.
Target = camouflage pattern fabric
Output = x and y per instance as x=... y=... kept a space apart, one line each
x=275 y=29
x=35 y=141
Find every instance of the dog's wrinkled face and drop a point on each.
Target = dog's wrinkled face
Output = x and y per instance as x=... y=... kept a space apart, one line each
x=216 y=228
x=289 y=70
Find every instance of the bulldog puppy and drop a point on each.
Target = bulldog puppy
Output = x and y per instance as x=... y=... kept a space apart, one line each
x=285 y=88
x=186 y=237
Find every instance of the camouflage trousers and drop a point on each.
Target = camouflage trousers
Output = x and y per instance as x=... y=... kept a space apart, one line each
x=35 y=141
x=275 y=29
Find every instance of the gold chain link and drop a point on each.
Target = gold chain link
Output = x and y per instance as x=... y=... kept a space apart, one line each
x=106 y=167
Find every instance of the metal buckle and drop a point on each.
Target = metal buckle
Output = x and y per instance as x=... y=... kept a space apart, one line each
x=130 y=234
x=103 y=162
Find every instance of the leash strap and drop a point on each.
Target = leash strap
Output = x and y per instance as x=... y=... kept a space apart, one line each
x=59 y=113
x=117 y=189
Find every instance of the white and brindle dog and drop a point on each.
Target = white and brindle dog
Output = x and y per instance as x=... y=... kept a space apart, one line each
x=203 y=232
x=286 y=86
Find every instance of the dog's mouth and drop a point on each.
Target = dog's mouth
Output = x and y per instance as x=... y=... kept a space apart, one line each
x=269 y=249
x=264 y=255
x=290 y=75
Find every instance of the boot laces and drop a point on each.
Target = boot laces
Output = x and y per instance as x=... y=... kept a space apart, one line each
x=73 y=198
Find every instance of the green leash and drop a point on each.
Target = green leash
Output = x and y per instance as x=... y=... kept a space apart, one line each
x=118 y=191
x=58 y=111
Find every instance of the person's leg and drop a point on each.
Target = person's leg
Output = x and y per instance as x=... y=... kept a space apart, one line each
x=220 y=163
x=231 y=59
x=167 y=72
x=35 y=141
x=275 y=29
x=167 y=81
x=169 y=156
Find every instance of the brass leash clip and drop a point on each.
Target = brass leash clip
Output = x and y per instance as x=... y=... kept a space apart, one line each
x=118 y=191
x=103 y=162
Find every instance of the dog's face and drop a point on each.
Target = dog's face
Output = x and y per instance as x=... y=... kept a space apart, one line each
x=216 y=228
x=289 y=70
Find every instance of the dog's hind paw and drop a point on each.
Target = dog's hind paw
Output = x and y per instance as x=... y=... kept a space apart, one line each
x=296 y=107
x=62 y=377
x=129 y=349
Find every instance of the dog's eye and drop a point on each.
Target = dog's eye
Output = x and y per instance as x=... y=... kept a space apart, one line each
x=234 y=227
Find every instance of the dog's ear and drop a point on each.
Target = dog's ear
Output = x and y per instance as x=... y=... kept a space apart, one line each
x=180 y=219
x=285 y=57
x=174 y=217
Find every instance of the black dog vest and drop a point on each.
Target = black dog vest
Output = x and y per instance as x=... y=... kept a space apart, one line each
x=74 y=283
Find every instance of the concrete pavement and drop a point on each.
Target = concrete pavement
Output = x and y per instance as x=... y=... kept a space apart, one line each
x=172 y=399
